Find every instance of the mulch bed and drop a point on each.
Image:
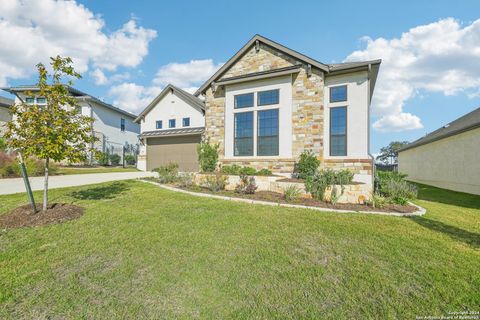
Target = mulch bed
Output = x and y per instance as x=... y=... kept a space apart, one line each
x=278 y=198
x=24 y=217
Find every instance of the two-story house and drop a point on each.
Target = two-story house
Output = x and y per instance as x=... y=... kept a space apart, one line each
x=114 y=127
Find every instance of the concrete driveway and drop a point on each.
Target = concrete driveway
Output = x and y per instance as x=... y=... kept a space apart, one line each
x=15 y=185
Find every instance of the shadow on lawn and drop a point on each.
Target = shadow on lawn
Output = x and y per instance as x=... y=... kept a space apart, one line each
x=450 y=197
x=98 y=193
x=470 y=238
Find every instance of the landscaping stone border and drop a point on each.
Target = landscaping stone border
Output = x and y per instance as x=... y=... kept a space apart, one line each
x=421 y=211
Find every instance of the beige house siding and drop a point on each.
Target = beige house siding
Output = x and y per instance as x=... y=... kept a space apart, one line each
x=450 y=163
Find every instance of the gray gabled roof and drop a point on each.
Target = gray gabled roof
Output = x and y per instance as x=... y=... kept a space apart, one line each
x=74 y=92
x=465 y=123
x=172 y=132
x=327 y=68
x=5 y=102
x=182 y=94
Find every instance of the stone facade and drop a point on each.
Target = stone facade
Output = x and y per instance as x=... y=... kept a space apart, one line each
x=357 y=166
x=307 y=113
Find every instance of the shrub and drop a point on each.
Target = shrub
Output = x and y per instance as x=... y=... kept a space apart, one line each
x=215 y=182
x=393 y=186
x=167 y=173
x=377 y=201
x=247 y=185
x=102 y=158
x=323 y=179
x=207 y=156
x=232 y=170
x=291 y=192
x=264 y=172
x=307 y=165
x=10 y=167
x=185 y=180
x=248 y=171
x=130 y=159
x=115 y=159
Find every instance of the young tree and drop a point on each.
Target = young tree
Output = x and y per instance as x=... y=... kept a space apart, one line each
x=389 y=154
x=55 y=131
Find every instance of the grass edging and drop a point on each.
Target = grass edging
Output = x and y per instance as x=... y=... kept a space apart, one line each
x=420 y=211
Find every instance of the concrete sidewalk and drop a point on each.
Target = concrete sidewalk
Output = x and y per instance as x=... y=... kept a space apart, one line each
x=15 y=185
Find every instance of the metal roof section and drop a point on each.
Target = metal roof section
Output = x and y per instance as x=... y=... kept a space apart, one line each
x=172 y=132
x=182 y=94
x=327 y=68
x=259 y=75
x=467 y=122
x=74 y=92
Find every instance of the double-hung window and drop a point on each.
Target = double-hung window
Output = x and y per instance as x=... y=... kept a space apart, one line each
x=158 y=124
x=171 y=123
x=256 y=130
x=338 y=131
x=186 y=122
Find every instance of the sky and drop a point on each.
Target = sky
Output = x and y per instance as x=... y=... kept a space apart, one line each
x=127 y=51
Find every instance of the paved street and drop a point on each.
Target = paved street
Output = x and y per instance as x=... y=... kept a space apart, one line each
x=15 y=185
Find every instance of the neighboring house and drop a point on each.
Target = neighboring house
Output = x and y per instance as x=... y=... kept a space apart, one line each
x=171 y=128
x=268 y=104
x=448 y=157
x=113 y=126
x=5 y=115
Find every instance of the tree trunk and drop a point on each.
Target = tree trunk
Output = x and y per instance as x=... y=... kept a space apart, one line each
x=45 y=186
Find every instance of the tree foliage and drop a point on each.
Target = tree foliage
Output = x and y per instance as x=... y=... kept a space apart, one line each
x=56 y=130
x=389 y=154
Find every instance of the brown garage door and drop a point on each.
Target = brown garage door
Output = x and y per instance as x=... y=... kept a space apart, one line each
x=181 y=150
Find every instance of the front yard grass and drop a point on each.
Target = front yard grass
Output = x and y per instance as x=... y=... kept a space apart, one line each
x=143 y=252
x=85 y=170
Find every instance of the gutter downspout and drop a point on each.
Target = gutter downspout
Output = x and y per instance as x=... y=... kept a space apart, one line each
x=369 y=100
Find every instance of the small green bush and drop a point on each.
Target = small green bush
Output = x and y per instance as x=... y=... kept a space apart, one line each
x=115 y=159
x=264 y=172
x=102 y=158
x=377 y=201
x=234 y=169
x=323 y=179
x=248 y=171
x=247 y=185
x=207 y=156
x=167 y=173
x=10 y=167
x=394 y=187
x=129 y=159
x=291 y=192
x=307 y=165
x=185 y=180
x=215 y=182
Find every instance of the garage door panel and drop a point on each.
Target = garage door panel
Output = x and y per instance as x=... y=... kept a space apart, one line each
x=181 y=150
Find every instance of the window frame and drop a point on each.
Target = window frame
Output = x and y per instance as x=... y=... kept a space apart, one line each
x=330 y=131
x=157 y=127
x=122 y=124
x=170 y=123
x=243 y=94
x=183 y=122
x=28 y=98
x=258 y=133
x=235 y=130
x=267 y=104
x=335 y=87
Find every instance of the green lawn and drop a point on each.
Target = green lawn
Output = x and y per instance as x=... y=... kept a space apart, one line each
x=143 y=252
x=80 y=170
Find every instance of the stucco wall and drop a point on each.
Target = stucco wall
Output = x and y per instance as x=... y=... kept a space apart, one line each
x=172 y=107
x=451 y=163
